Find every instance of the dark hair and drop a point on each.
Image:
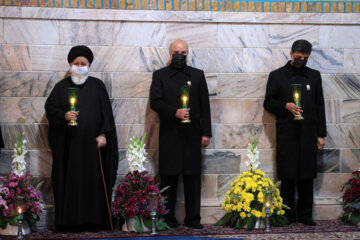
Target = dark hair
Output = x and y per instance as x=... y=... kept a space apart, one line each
x=302 y=46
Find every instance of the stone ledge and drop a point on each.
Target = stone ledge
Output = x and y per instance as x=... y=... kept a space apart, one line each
x=177 y=16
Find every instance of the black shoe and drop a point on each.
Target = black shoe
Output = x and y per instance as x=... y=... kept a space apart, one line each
x=171 y=223
x=308 y=222
x=196 y=225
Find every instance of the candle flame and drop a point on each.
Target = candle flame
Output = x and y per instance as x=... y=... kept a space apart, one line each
x=72 y=100
x=19 y=210
x=267 y=204
x=185 y=99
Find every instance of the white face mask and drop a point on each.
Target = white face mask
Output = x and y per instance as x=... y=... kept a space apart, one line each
x=79 y=74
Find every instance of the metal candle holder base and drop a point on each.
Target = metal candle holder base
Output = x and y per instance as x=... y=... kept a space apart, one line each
x=267 y=229
x=20 y=233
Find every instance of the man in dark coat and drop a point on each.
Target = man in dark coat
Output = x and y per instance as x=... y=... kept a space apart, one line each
x=297 y=141
x=80 y=202
x=180 y=143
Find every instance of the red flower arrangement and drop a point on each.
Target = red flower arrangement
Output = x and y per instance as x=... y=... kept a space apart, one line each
x=132 y=199
x=351 y=200
x=16 y=191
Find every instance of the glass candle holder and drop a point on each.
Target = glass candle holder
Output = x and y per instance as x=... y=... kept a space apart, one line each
x=73 y=96
x=152 y=208
x=267 y=205
x=296 y=90
x=185 y=94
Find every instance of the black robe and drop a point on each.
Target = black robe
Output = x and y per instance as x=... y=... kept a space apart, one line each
x=76 y=177
x=180 y=143
x=296 y=140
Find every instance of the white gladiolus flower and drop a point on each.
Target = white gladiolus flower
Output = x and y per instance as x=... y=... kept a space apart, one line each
x=136 y=154
x=19 y=163
x=253 y=155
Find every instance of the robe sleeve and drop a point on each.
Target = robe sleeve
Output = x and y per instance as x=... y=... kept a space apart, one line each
x=271 y=102
x=321 y=110
x=54 y=111
x=205 y=107
x=156 y=98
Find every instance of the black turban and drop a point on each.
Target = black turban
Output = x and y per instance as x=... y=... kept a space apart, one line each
x=80 y=51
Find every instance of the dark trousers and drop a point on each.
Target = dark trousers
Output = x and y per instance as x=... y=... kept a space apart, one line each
x=192 y=193
x=305 y=189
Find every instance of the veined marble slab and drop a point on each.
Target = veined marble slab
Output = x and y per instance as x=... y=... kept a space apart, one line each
x=350 y=110
x=237 y=111
x=127 y=34
x=327 y=60
x=27 y=84
x=343 y=86
x=86 y=33
x=178 y=16
x=242 y=85
x=209 y=187
x=15 y=110
x=283 y=36
x=243 y=35
x=270 y=134
x=1 y=30
x=352 y=60
x=127 y=131
x=35 y=134
x=31 y=31
x=133 y=110
x=230 y=136
x=195 y=34
x=329 y=161
x=223 y=184
x=153 y=58
x=350 y=160
x=15 y=58
x=330 y=184
x=131 y=85
x=264 y=59
x=343 y=136
x=221 y=161
x=49 y=58
x=40 y=163
x=218 y=60
x=339 y=36
x=333 y=110
x=212 y=84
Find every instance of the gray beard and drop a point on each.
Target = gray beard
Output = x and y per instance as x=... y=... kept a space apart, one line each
x=79 y=80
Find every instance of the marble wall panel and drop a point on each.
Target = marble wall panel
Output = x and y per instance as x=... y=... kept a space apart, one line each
x=15 y=110
x=86 y=33
x=327 y=212
x=35 y=134
x=341 y=86
x=330 y=184
x=218 y=60
x=351 y=60
x=127 y=131
x=209 y=186
x=343 y=136
x=223 y=184
x=31 y=31
x=241 y=85
x=131 y=85
x=350 y=160
x=212 y=84
x=327 y=60
x=329 y=161
x=152 y=59
x=270 y=134
x=37 y=110
x=350 y=111
x=264 y=59
x=333 y=109
x=115 y=59
x=243 y=35
x=107 y=78
x=268 y=161
x=283 y=36
x=232 y=110
x=49 y=58
x=333 y=36
x=1 y=30
x=127 y=34
x=195 y=34
x=210 y=214
x=40 y=163
x=229 y=136
x=27 y=84
x=15 y=58
x=133 y=110
x=221 y=161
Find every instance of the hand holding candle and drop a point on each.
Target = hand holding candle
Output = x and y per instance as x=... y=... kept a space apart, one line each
x=184 y=113
x=71 y=116
x=296 y=89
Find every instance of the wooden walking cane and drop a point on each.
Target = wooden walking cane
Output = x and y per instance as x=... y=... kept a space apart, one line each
x=105 y=190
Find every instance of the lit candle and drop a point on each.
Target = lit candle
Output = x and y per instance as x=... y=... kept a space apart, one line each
x=20 y=217
x=185 y=99
x=267 y=204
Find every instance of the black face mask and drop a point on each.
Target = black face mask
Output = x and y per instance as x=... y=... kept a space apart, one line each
x=299 y=64
x=178 y=61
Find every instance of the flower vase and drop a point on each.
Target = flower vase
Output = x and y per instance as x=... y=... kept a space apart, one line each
x=11 y=230
x=129 y=227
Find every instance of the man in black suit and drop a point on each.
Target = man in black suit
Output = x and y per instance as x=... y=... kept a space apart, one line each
x=297 y=141
x=180 y=143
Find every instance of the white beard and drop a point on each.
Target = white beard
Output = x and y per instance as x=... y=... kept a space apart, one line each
x=79 y=75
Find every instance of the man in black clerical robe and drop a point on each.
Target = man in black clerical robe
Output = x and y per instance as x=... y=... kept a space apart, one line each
x=80 y=202
x=297 y=141
x=180 y=143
